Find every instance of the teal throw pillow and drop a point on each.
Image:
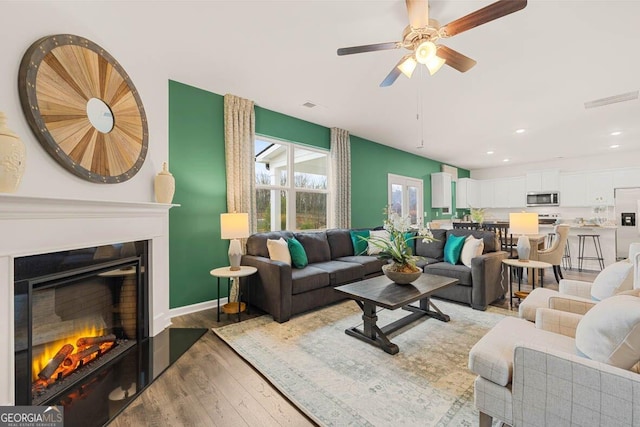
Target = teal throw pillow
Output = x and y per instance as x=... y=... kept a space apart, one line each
x=298 y=255
x=359 y=245
x=452 y=248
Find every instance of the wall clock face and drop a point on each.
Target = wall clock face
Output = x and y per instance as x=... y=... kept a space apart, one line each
x=83 y=108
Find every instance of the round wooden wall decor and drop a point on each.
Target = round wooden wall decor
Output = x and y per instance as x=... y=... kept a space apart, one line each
x=83 y=108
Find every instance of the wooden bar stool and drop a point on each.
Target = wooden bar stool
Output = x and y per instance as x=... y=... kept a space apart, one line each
x=596 y=244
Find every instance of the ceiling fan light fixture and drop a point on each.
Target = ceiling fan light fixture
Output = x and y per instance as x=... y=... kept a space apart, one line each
x=407 y=66
x=434 y=64
x=425 y=52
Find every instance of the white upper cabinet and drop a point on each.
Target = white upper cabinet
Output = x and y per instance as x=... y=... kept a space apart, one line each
x=548 y=180
x=628 y=177
x=440 y=190
x=486 y=193
x=467 y=193
x=517 y=192
x=599 y=188
x=573 y=190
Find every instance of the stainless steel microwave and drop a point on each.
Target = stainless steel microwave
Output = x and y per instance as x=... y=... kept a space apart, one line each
x=549 y=198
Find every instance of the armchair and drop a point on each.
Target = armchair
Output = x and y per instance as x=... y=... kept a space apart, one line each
x=577 y=296
x=553 y=255
x=545 y=380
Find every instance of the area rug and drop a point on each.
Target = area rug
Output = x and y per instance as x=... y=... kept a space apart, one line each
x=338 y=380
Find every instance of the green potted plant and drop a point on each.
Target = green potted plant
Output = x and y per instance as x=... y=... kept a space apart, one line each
x=477 y=215
x=402 y=268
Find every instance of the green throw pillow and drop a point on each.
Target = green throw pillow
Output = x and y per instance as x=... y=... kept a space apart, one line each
x=359 y=245
x=452 y=248
x=298 y=255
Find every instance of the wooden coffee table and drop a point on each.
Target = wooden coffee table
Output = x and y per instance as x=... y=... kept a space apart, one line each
x=382 y=292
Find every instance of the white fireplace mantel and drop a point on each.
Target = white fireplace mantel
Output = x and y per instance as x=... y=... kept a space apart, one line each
x=37 y=225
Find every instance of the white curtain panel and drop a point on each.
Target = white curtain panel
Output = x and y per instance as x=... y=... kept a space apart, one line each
x=239 y=136
x=341 y=177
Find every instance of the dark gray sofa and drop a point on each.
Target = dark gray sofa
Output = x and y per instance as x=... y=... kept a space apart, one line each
x=479 y=285
x=283 y=291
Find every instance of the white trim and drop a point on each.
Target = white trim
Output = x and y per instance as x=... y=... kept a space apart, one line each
x=194 y=308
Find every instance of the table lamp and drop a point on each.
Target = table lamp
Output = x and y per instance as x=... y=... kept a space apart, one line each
x=523 y=223
x=234 y=226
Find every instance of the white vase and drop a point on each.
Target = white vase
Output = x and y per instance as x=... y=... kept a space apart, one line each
x=164 y=185
x=12 y=158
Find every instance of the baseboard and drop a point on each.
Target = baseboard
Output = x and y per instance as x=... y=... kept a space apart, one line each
x=194 y=308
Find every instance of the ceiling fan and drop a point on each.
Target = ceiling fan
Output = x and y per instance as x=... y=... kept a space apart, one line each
x=422 y=33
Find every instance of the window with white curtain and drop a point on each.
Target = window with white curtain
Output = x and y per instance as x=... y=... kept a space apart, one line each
x=406 y=197
x=292 y=186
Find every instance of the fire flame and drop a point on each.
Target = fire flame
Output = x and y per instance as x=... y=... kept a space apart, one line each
x=52 y=348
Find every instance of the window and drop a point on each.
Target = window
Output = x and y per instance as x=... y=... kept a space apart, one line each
x=292 y=186
x=405 y=197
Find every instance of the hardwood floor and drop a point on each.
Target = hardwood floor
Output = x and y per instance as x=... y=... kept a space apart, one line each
x=210 y=385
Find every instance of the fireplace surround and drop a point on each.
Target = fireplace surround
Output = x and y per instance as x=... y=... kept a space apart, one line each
x=38 y=225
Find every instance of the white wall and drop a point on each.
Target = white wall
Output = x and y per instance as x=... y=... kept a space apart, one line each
x=574 y=164
x=23 y=23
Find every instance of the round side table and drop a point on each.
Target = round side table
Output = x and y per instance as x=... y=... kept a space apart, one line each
x=532 y=266
x=226 y=272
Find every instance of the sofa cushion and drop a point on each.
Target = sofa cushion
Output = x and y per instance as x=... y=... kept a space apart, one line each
x=307 y=279
x=610 y=332
x=435 y=249
x=316 y=246
x=279 y=250
x=615 y=278
x=472 y=248
x=340 y=242
x=491 y=242
x=377 y=235
x=424 y=261
x=459 y=271
x=453 y=248
x=360 y=245
x=371 y=264
x=298 y=255
x=257 y=243
x=341 y=272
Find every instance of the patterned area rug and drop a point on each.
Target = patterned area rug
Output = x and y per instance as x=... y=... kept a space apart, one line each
x=338 y=380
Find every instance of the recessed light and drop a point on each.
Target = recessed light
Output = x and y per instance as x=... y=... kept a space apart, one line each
x=489 y=152
x=505 y=160
x=614 y=146
x=520 y=130
x=616 y=133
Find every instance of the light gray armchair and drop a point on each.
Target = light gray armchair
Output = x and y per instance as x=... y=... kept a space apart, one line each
x=553 y=255
x=531 y=375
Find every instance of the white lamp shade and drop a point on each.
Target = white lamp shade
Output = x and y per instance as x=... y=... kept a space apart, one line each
x=234 y=225
x=434 y=64
x=425 y=51
x=523 y=223
x=407 y=66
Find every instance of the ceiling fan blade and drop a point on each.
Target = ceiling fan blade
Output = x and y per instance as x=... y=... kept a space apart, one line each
x=368 y=48
x=391 y=78
x=393 y=75
x=482 y=16
x=455 y=59
x=418 y=11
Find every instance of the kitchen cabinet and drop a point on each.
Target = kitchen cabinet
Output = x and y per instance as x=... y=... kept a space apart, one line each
x=548 y=180
x=441 y=190
x=599 y=188
x=500 y=193
x=467 y=193
x=486 y=193
x=573 y=190
x=517 y=189
x=628 y=177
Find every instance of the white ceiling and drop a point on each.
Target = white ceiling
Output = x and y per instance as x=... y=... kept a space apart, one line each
x=535 y=70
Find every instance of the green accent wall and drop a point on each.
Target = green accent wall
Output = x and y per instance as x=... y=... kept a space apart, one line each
x=197 y=161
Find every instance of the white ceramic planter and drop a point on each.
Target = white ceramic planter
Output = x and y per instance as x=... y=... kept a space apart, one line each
x=12 y=158
x=164 y=185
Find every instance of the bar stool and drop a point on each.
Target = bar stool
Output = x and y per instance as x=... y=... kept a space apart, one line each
x=566 y=258
x=596 y=244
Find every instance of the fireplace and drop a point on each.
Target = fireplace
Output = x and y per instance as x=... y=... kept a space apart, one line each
x=77 y=314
